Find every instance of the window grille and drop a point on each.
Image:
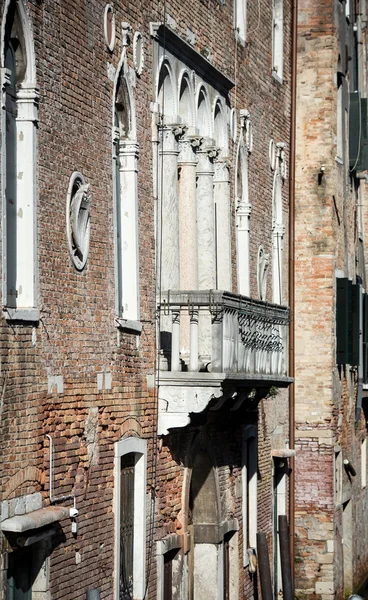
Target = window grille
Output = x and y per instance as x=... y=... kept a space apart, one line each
x=127 y=467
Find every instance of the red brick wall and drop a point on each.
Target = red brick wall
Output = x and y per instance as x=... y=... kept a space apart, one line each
x=76 y=336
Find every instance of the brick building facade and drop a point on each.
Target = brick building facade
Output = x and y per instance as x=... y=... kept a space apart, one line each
x=330 y=357
x=144 y=421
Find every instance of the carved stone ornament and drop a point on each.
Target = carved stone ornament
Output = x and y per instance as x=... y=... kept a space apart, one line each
x=282 y=159
x=138 y=53
x=246 y=129
x=232 y=123
x=272 y=155
x=109 y=27
x=126 y=30
x=263 y=260
x=78 y=204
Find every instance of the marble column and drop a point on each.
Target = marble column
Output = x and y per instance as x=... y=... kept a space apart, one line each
x=167 y=255
x=206 y=218
x=206 y=245
x=243 y=212
x=188 y=244
x=188 y=238
x=221 y=190
x=168 y=217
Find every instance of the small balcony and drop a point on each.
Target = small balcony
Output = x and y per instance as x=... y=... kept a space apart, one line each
x=207 y=337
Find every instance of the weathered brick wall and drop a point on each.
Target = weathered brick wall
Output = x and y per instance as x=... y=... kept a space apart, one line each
x=76 y=337
x=326 y=238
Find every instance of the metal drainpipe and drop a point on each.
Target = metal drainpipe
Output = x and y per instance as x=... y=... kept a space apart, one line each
x=292 y=279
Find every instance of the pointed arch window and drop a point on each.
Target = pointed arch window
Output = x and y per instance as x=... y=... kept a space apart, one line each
x=18 y=158
x=125 y=159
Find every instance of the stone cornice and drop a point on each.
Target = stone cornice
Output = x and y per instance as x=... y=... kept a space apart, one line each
x=193 y=59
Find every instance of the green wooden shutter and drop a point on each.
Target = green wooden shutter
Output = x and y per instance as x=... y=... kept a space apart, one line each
x=355 y=324
x=342 y=320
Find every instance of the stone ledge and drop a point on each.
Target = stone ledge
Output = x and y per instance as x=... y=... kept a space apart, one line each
x=35 y=519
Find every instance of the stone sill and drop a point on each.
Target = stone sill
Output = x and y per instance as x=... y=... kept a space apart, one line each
x=277 y=78
x=28 y=315
x=35 y=520
x=128 y=325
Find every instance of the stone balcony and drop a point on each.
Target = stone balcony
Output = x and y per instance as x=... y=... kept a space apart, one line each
x=209 y=337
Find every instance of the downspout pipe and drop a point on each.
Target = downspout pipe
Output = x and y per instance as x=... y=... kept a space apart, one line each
x=294 y=28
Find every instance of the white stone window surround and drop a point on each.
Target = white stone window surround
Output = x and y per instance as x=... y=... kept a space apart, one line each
x=279 y=499
x=340 y=120
x=348 y=10
x=125 y=202
x=240 y=20
x=249 y=489
x=168 y=544
x=137 y=446
x=363 y=463
x=23 y=306
x=278 y=40
x=338 y=475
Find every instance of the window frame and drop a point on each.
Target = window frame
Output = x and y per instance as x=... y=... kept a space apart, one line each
x=249 y=489
x=137 y=446
x=240 y=20
x=363 y=463
x=26 y=121
x=278 y=40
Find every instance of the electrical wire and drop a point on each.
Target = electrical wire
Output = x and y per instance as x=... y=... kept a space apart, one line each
x=259 y=19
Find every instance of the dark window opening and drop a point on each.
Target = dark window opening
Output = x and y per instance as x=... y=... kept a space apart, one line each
x=19 y=576
x=127 y=467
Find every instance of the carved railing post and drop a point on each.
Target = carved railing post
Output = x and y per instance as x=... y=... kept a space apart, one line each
x=175 y=340
x=193 y=357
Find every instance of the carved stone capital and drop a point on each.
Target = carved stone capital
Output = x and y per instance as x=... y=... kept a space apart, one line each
x=242 y=208
x=187 y=147
x=179 y=130
x=221 y=172
x=27 y=104
x=213 y=153
x=206 y=155
x=128 y=156
x=278 y=230
x=126 y=29
x=169 y=135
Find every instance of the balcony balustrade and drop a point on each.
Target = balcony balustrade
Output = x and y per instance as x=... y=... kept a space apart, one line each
x=221 y=332
x=207 y=337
